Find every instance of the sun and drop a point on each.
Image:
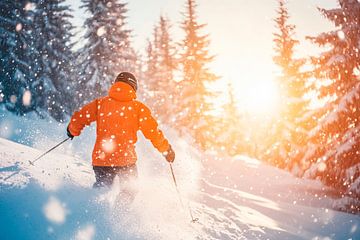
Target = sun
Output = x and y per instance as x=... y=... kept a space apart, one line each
x=258 y=96
x=255 y=89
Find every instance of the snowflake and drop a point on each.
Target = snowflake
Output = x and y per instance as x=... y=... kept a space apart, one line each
x=341 y=35
x=18 y=27
x=26 y=98
x=101 y=31
x=119 y=21
x=30 y=6
x=13 y=99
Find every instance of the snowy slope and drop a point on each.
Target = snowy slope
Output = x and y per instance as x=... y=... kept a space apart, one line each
x=238 y=198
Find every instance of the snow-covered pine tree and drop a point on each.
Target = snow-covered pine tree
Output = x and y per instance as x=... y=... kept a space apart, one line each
x=152 y=67
x=335 y=142
x=152 y=58
x=53 y=59
x=161 y=64
x=167 y=51
x=108 y=50
x=16 y=56
x=230 y=132
x=291 y=133
x=194 y=106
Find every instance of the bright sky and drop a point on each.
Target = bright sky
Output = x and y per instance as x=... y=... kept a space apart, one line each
x=240 y=33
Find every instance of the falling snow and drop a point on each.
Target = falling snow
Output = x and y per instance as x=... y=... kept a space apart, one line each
x=237 y=145
x=101 y=31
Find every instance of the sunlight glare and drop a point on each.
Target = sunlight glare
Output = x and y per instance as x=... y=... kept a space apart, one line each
x=259 y=96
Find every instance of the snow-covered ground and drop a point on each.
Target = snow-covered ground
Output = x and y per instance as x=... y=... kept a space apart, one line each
x=237 y=198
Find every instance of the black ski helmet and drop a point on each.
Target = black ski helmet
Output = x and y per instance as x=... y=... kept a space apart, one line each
x=128 y=78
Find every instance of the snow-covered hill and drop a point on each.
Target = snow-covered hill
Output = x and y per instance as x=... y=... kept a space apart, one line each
x=237 y=198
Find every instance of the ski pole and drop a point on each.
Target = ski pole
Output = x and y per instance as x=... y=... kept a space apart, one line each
x=57 y=145
x=177 y=190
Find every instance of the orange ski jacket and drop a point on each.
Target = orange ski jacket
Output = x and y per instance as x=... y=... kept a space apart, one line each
x=118 y=117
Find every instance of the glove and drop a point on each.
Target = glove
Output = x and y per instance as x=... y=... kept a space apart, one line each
x=69 y=133
x=169 y=155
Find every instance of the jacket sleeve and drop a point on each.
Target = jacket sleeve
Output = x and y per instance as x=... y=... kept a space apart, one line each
x=84 y=117
x=149 y=127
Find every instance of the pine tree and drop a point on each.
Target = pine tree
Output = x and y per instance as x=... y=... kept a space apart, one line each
x=16 y=74
x=161 y=64
x=230 y=136
x=291 y=134
x=167 y=50
x=107 y=51
x=335 y=142
x=54 y=58
x=194 y=105
x=152 y=72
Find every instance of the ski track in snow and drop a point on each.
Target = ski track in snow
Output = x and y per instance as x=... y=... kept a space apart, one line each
x=237 y=198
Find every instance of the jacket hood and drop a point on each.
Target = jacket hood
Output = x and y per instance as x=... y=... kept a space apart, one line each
x=122 y=92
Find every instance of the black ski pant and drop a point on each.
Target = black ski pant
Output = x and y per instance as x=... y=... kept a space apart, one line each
x=105 y=175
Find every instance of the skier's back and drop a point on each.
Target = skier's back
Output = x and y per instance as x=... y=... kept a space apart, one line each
x=118 y=117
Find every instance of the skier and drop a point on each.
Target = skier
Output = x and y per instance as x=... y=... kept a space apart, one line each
x=118 y=117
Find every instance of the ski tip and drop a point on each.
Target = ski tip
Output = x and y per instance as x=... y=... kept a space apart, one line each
x=31 y=163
